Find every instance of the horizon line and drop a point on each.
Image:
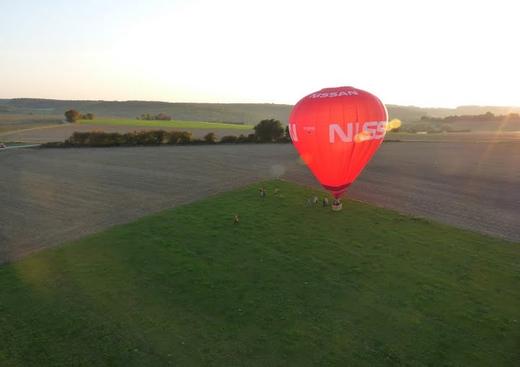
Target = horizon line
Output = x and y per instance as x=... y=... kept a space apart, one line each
x=244 y=103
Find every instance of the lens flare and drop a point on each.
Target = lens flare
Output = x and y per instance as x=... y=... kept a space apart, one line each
x=393 y=124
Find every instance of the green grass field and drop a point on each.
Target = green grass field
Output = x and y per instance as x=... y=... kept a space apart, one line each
x=170 y=124
x=289 y=285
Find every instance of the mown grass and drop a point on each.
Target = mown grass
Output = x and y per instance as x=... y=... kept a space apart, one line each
x=179 y=124
x=290 y=285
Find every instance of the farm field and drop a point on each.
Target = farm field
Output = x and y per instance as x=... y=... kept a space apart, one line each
x=42 y=132
x=175 y=124
x=64 y=131
x=188 y=287
x=50 y=196
x=13 y=122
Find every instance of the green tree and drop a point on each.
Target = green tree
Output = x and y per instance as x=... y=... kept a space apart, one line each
x=178 y=137
x=269 y=130
x=287 y=134
x=163 y=117
x=229 y=139
x=210 y=138
x=72 y=115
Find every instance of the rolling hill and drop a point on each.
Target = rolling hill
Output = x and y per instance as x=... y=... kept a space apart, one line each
x=213 y=112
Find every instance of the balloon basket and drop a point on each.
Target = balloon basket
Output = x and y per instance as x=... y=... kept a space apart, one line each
x=337 y=207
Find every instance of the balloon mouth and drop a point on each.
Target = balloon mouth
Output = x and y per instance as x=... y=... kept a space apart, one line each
x=337 y=191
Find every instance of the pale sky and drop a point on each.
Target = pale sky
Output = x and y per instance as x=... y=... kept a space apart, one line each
x=426 y=53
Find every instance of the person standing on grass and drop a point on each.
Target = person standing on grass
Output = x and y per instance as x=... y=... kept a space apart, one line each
x=262 y=192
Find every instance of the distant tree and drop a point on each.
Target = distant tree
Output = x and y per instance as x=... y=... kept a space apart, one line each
x=210 y=138
x=178 y=137
x=489 y=116
x=87 y=116
x=287 y=134
x=72 y=115
x=269 y=130
x=163 y=117
x=242 y=138
x=229 y=139
x=159 y=116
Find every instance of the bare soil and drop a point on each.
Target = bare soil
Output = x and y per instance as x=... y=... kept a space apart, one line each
x=50 y=196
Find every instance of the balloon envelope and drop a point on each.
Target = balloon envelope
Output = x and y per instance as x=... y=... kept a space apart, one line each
x=336 y=131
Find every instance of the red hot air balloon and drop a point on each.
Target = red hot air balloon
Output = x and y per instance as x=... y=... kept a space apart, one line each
x=336 y=131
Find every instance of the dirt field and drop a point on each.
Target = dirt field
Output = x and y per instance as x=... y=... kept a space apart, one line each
x=49 y=196
x=10 y=123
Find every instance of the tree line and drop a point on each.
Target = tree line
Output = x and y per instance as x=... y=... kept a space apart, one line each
x=157 y=117
x=485 y=117
x=266 y=131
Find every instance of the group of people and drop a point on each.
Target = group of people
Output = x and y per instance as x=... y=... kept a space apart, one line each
x=310 y=202
x=336 y=203
x=315 y=201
